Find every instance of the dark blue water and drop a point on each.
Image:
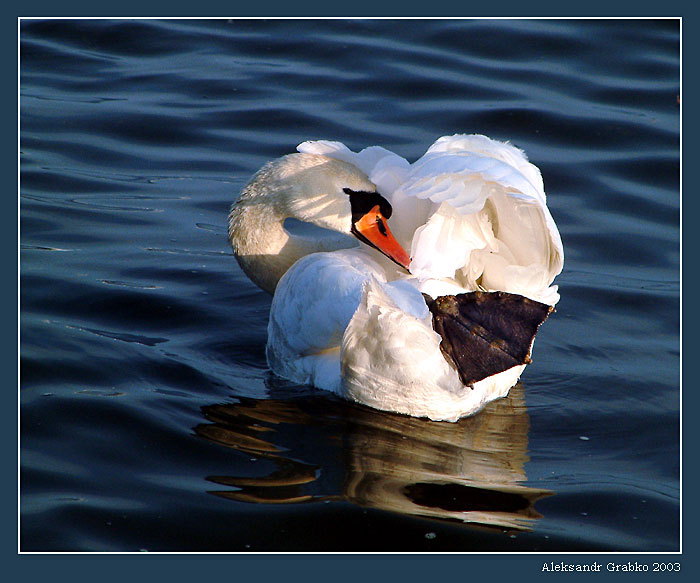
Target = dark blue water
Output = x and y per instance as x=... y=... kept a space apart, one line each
x=148 y=417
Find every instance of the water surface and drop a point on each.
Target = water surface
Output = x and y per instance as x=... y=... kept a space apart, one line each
x=149 y=419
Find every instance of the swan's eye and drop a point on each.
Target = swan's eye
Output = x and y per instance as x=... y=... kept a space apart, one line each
x=361 y=202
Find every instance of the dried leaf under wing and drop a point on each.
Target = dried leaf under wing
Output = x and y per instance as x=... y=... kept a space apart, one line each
x=484 y=333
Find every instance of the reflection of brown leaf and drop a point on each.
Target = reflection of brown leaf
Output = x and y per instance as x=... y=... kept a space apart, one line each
x=461 y=498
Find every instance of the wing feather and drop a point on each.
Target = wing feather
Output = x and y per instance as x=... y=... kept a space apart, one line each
x=471 y=209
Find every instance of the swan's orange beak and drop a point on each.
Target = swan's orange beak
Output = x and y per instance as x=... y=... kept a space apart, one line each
x=372 y=228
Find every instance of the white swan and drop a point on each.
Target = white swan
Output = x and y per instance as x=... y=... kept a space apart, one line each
x=349 y=317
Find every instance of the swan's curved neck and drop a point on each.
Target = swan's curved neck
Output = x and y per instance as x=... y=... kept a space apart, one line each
x=307 y=187
x=265 y=250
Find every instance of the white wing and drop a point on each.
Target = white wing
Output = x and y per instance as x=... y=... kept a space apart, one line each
x=472 y=210
x=312 y=305
x=490 y=227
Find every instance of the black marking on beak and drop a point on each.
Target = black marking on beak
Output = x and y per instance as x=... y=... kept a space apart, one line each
x=361 y=202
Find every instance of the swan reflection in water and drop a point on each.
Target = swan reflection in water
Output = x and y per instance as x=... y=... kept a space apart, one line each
x=326 y=449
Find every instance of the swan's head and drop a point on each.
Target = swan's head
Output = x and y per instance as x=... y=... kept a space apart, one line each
x=332 y=194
